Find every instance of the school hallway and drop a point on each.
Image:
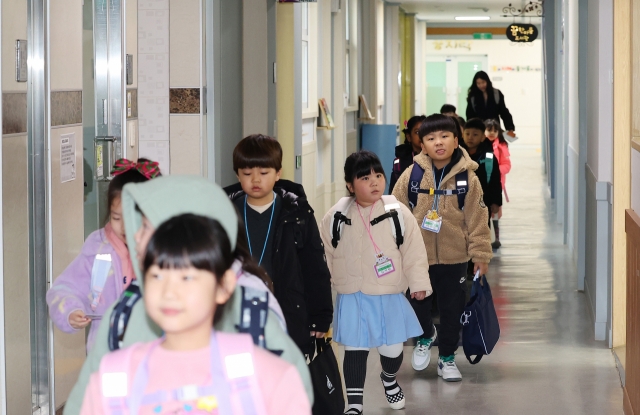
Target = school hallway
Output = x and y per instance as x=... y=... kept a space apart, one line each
x=546 y=361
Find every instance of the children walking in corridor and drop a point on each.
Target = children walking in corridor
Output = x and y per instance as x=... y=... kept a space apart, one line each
x=283 y=238
x=374 y=252
x=445 y=196
x=103 y=270
x=481 y=151
x=193 y=368
x=501 y=150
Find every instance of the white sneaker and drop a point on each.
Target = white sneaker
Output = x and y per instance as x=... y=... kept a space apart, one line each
x=422 y=352
x=448 y=370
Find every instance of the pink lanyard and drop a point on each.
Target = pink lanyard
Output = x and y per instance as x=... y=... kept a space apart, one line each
x=368 y=226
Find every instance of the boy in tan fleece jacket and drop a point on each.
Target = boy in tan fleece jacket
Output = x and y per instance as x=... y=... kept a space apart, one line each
x=451 y=235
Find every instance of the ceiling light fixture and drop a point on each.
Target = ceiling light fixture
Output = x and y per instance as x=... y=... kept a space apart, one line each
x=472 y=18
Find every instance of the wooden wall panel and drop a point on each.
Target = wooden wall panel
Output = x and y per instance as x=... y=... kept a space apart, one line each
x=632 y=368
x=624 y=66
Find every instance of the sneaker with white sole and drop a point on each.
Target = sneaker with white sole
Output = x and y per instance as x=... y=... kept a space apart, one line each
x=422 y=352
x=448 y=370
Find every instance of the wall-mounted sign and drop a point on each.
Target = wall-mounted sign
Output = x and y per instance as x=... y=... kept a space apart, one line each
x=518 y=68
x=522 y=32
x=452 y=44
x=67 y=157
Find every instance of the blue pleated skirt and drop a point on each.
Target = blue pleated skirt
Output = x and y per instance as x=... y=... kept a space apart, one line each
x=362 y=320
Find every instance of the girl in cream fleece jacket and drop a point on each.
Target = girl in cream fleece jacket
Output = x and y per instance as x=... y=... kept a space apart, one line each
x=371 y=273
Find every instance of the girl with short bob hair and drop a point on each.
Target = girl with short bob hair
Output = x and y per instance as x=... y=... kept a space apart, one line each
x=188 y=278
x=371 y=269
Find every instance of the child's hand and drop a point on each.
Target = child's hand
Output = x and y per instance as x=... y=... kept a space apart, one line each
x=484 y=268
x=79 y=320
x=420 y=295
x=495 y=208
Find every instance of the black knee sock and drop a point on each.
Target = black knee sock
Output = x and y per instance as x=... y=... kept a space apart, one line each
x=355 y=372
x=496 y=227
x=390 y=367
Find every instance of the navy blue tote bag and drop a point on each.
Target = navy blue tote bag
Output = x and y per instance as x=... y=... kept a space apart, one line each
x=480 y=327
x=325 y=376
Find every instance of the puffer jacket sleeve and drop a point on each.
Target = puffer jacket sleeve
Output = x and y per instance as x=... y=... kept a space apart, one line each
x=506 y=116
x=477 y=219
x=325 y=234
x=504 y=158
x=317 y=279
x=415 y=264
x=71 y=291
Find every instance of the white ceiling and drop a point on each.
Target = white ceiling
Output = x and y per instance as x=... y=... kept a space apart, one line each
x=441 y=11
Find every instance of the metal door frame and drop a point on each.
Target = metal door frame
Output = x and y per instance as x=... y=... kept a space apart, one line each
x=3 y=356
x=40 y=253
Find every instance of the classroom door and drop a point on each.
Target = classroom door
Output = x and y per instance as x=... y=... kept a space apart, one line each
x=449 y=78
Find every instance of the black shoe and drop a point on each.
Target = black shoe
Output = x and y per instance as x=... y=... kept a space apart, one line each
x=496 y=245
x=396 y=401
x=353 y=411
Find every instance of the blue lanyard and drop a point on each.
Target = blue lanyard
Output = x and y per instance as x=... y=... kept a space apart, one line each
x=246 y=227
x=436 y=198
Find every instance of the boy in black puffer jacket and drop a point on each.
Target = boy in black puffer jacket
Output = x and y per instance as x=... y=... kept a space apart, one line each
x=481 y=151
x=283 y=238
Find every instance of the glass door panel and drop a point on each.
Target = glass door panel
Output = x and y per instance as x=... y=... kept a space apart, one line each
x=466 y=72
x=436 y=86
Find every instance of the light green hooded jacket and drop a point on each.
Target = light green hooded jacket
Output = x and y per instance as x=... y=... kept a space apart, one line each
x=159 y=200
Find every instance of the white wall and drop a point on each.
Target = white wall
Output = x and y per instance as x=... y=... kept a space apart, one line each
x=153 y=82
x=600 y=95
x=522 y=89
x=185 y=70
x=392 y=63
x=255 y=67
x=421 y=69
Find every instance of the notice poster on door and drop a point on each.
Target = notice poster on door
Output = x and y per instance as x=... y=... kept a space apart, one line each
x=67 y=157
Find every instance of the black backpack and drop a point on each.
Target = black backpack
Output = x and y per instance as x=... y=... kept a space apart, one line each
x=462 y=187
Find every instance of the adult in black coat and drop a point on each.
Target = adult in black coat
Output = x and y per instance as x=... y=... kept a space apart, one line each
x=405 y=152
x=301 y=278
x=487 y=103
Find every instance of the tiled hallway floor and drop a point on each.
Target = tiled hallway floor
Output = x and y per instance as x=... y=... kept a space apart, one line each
x=546 y=361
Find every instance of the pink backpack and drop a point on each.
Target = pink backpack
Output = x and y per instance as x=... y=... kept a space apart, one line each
x=233 y=389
